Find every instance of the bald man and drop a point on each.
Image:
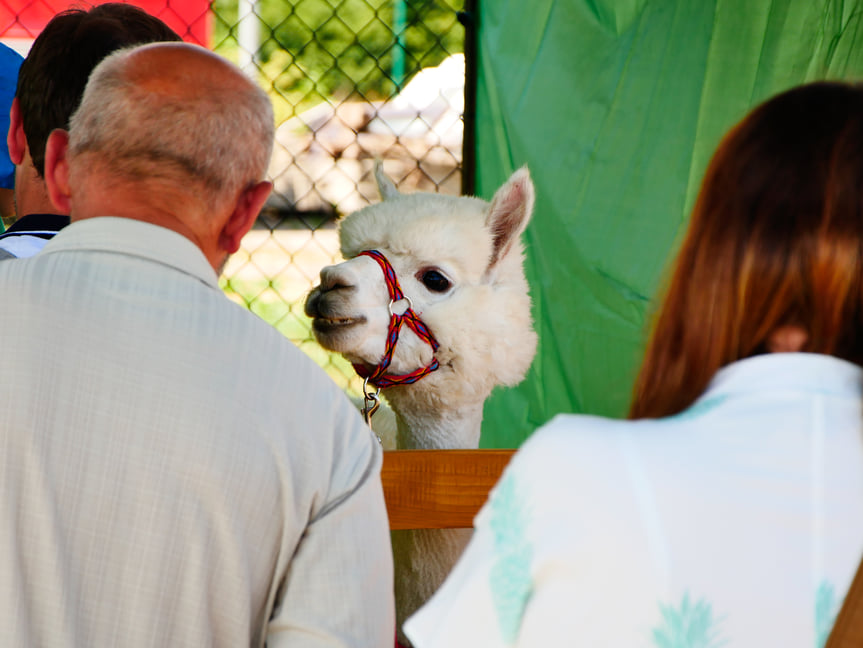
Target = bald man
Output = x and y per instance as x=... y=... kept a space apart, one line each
x=173 y=471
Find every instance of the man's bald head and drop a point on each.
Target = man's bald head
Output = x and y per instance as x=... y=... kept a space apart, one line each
x=182 y=70
x=178 y=114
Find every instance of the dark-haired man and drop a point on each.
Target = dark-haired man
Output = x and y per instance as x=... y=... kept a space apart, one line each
x=50 y=84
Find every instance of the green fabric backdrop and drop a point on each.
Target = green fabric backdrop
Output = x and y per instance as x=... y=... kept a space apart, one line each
x=616 y=107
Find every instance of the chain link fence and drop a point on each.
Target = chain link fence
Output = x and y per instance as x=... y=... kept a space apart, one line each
x=351 y=81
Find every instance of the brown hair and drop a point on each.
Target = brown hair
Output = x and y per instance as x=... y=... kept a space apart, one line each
x=775 y=239
x=53 y=76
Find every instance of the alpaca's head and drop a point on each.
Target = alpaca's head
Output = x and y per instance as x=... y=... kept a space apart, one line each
x=460 y=262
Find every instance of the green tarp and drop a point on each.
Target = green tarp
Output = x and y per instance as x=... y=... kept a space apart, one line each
x=616 y=107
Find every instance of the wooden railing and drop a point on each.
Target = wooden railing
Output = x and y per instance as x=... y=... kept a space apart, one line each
x=439 y=489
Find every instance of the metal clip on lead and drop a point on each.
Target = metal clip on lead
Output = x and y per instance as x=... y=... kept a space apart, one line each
x=371 y=403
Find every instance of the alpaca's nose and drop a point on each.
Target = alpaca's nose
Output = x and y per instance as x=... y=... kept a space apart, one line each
x=333 y=279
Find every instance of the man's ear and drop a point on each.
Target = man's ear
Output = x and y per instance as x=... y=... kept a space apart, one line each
x=57 y=170
x=245 y=212
x=16 y=141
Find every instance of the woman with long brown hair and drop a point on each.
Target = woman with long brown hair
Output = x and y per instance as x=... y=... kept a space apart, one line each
x=773 y=259
x=729 y=511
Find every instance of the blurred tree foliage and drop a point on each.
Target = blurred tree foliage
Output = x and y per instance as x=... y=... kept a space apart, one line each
x=316 y=49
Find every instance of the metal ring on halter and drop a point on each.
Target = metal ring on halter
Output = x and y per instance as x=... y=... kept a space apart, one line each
x=367 y=393
x=396 y=301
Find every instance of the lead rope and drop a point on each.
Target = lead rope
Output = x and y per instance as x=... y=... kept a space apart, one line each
x=378 y=377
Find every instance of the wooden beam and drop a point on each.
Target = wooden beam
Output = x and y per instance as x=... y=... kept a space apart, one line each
x=439 y=489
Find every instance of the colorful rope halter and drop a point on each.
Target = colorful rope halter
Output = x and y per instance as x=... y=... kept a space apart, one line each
x=378 y=376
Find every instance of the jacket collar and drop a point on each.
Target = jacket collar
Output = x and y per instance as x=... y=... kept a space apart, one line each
x=135 y=238
x=809 y=372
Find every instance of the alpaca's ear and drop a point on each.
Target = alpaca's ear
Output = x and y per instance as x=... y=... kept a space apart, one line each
x=510 y=211
x=385 y=185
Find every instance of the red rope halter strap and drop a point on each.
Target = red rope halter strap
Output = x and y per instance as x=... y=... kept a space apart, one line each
x=377 y=376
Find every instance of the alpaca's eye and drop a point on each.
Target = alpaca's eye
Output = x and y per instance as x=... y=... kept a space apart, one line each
x=435 y=281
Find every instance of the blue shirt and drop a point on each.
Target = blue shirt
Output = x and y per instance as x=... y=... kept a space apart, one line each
x=10 y=62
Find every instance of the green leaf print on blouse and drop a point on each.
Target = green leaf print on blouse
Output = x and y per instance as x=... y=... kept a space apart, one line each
x=510 y=580
x=691 y=625
x=826 y=610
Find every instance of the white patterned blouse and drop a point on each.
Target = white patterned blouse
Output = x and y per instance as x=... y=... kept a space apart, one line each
x=736 y=523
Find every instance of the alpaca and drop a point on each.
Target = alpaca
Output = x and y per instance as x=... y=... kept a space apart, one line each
x=466 y=328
